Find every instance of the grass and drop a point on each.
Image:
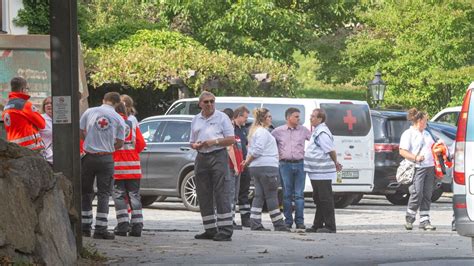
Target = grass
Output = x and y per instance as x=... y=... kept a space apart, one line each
x=90 y=252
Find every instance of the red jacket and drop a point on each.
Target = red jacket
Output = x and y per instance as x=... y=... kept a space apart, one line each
x=23 y=122
x=239 y=157
x=127 y=159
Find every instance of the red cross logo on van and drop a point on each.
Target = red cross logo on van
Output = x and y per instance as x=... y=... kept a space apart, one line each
x=350 y=120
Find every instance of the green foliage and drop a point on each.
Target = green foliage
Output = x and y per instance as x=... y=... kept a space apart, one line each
x=426 y=57
x=139 y=63
x=35 y=16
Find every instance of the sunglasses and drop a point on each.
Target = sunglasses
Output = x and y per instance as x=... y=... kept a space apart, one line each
x=208 y=101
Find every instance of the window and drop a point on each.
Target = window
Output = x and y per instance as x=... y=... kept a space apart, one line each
x=176 y=131
x=278 y=113
x=347 y=119
x=449 y=118
x=178 y=109
x=194 y=108
x=396 y=128
x=149 y=129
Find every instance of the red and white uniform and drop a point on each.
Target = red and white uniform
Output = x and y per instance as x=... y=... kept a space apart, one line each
x=127 y=159
x=23 y=122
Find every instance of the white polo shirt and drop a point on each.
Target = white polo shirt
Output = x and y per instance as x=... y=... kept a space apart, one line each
x=102 y=125
x=412 y=139
x=218 y=125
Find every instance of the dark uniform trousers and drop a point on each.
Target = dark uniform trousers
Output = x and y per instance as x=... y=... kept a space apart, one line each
x=244 y=203
x=102 y=168
x=214 y=186
x=122 y=189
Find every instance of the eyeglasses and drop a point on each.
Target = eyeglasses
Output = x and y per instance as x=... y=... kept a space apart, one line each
x=208 y=101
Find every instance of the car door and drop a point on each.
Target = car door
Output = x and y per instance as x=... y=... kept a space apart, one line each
x=169 y=155
x=150 y=131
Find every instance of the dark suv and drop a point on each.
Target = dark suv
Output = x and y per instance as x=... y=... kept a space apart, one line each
x=388 y=128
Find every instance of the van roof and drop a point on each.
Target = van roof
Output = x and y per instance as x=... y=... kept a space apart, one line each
x=249 y=99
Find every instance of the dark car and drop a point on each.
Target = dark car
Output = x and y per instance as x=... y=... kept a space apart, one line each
x=168 y=160
x=388 y=128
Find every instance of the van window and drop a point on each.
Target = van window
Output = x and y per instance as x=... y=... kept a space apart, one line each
x=278 y=112
x=347 y=119
x=178 y=109
x=221 y=106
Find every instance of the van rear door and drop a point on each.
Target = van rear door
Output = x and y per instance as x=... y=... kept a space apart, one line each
x=351 y=125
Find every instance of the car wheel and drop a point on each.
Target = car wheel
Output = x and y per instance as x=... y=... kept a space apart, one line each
x=398 y=198
x=188 y=192
x=342 y=201
x=357 y=199
x=161 y=198
x=148 y=200
x=436 y=194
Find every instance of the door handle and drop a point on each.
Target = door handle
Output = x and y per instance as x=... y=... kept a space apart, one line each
x=351 y=147
x=185 y=148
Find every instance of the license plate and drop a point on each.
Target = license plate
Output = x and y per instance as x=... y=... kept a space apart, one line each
x=346 y=174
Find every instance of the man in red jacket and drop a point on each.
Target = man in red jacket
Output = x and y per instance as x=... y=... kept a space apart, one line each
x=127 y=175
x=21 y=118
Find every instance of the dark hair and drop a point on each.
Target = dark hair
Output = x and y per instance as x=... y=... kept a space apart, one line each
x=229 y=112
x=321 y=114
x=290 y=111
x=240 y=111
x=414 y=115
x=121 y=109
x=18 y=83
x=112 y=97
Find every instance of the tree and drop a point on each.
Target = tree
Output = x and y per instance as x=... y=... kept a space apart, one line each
x=426 y=57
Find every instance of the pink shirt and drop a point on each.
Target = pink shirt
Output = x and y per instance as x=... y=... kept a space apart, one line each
x=291 y=141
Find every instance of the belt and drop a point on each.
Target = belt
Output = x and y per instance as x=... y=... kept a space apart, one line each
x=291 y=161
x=211 y=153
x=99 y=153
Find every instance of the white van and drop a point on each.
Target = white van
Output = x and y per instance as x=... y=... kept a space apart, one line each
x=349 y=121
x=463 y=185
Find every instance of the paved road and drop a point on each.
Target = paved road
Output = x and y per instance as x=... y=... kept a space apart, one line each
x=370 y=233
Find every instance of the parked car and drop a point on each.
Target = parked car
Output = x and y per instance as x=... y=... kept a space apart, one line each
x=463 y=186
x=168 y=160
x=447 y=116
x=348 y=120
x=388 y=128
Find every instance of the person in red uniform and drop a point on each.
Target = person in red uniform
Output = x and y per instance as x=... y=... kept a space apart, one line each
x=21 y=118
x=127 y=175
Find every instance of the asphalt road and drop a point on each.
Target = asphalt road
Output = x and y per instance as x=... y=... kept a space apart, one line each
x=370 y=233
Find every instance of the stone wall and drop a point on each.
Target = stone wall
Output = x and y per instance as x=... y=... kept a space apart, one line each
x=35 y=209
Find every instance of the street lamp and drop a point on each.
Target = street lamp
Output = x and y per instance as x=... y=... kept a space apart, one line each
x=377 y=88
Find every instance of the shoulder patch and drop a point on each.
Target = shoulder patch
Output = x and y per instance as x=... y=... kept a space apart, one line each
x=7 y=120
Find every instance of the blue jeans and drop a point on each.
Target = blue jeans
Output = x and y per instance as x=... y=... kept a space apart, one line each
x=293 y=178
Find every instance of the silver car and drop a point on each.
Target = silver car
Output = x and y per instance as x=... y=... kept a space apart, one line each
x=168 y=160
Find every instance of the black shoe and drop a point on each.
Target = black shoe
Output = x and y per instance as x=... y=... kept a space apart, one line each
x=237 y=227
x=300 y=228
x=135 y=234
x=282 y=229
x=118 y=233
x=222 y=237
x=245 y=222
x=261 y=228
x=288 y=226
x=325 y=231
x=205 y=235
x=312 y=229
x=86 y=233
x=103 y=235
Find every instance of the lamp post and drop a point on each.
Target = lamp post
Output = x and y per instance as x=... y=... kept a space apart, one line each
x=377 y=88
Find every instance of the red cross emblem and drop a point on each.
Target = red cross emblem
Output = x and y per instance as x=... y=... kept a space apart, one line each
x=102 y=123
x=350 y=120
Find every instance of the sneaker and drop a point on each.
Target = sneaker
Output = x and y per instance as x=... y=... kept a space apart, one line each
x=261 y=228
x=222 y=237
x=86 y=233
x=103 y=235
x=282 y=229
x=408 y=226
x=300 y=228
x=135 y=234
x=312 y=229
x=427 y=226
x=204 y=235
x=325 y=231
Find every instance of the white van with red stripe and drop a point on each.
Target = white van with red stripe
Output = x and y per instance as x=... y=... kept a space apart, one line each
x=463 y=185
x=349 y=121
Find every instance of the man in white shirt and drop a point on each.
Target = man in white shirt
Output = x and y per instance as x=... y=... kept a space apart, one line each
x=211 y=132
x=103 y=132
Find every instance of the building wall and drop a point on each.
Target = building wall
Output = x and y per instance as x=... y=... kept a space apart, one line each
x=9 y=12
